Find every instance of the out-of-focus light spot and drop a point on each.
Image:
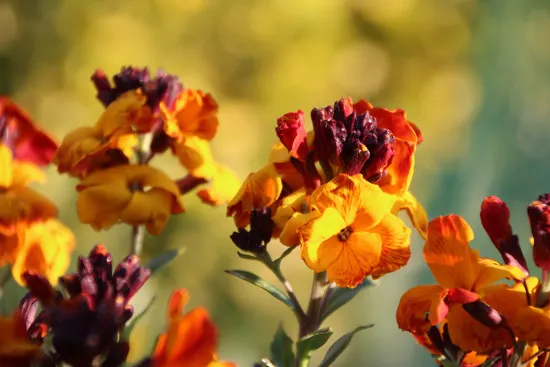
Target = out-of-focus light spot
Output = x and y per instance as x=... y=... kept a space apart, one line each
x=450 y=97
x=8 y=24
x=361 y=69
x=387 y=11
x=181 y=6
x=537 y=31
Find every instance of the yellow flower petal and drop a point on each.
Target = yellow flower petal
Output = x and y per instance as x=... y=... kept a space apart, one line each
x=396 y=239
x=315 y=233
x=415 y=211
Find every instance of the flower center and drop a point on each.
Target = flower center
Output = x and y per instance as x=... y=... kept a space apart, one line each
x=345 y=233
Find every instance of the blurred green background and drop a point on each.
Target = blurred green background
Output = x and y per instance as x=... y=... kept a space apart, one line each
x=473 y=75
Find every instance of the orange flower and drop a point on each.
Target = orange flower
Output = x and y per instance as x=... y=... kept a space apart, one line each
x=110 y=142
x=259 y=190
x=400 y=171
x=190 y=340
x=293 y=212
x=456 y=266
x=194 y=114
x=133 y=194
x=22 y=205
x=531 y=324
x=46 y=251
x=196 y=156
x=28 y=143
x=355 y=235
x=16 y=348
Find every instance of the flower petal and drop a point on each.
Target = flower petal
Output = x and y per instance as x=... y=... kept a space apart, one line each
x=490 y=271
x=414 y=305
x=396 y=239
x=447 y=252
x=415 y=211
x=353 y=194
x=470 y=335
x=313 y=236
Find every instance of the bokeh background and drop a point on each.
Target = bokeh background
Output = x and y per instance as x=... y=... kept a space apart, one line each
x=473 y=75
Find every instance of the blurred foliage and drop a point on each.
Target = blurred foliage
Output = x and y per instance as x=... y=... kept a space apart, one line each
x=472 y=74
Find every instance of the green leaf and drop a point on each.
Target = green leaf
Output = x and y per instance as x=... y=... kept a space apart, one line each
x=132 y=324
x=282 y=354
x=341 y=296
x=247 y=257
x=159 y=262
x=310 y=343
x=340 y=345
x=265 y=285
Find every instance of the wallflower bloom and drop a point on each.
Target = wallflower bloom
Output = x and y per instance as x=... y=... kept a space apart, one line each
x=111 y=141
x=460 y=273
x=27 y=142
x=400 y=172
x=355 y=235
x=133 y=194
x=190 y=339
x=259 y=190
x=22 y=205
x=46 y=251
x=194 y=114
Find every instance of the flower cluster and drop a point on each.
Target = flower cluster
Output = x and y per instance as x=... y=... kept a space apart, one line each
x=31 y=238
x=467 y=317
x=84 y=323
x=335 y=191
x=144 y=116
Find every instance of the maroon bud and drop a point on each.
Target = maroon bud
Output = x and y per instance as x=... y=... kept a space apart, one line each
x=256 y=239
x=189 y=182
x=539 y=218
x=39 y=287
x=292 y=133
x=485 y=314
x=437 y=340
x=495 y=218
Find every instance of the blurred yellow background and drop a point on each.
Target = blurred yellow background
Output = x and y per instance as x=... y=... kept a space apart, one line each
x=473 y=75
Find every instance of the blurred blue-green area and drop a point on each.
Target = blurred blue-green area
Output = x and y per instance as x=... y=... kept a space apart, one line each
x=473 y=75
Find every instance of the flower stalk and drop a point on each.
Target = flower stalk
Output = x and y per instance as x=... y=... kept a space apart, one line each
x=313 y=317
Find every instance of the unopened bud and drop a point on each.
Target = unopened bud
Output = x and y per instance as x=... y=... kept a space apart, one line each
x=539 y=218
x=484 y=314
x=495 y=218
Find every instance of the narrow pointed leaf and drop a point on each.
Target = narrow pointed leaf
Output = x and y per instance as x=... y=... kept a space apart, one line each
x=282 y=354
x=340 y=345
x=341 y=296
x=159 y=262
x=310 y=343
x=132 y=324
x=265 y=285
x=247 y=257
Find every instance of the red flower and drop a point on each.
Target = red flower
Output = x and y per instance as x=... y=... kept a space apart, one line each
x=292 y=133
x=27 y=142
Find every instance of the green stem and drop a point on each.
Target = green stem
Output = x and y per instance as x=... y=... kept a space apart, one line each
x=276 y=269
x=138 y=235
x=313 y=319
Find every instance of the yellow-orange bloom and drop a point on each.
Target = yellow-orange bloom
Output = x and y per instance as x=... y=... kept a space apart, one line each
x=400 y=172
x=16 y=348
x=191 y=338
x=531 y=324
x=194 y=114
x=293 y=212
x=21 y=205
x=111 y=141
x=46 y=251
x=259 y=190
x=196 y=156
x=133 y=194
x=455 y=265
x=356 y=235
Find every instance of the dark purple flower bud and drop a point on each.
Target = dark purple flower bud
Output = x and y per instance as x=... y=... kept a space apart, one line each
x=256 y=239
x=485 y=314
x=539 y=218
x=351 y=142
x=85 y=326
x=437 y=340
x=380 y=144
x=163 y=88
